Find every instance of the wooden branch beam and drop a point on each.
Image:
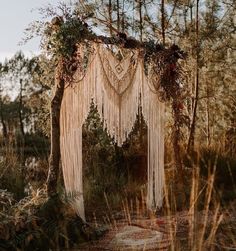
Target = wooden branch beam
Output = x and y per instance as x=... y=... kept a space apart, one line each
x=122 y=40
x=55 y=153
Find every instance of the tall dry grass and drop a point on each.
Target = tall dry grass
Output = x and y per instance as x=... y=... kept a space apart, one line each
x=199 y=210
x=194 y=216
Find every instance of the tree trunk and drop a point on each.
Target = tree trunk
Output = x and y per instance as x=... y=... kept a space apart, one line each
x=118 y=14
x=20 y=110
x=163 y=21
x=176 y=137
x=140 y=20
x=123 y=17
x=191 y=140
x=110 y=17
x=55 y=153
x=208 y=116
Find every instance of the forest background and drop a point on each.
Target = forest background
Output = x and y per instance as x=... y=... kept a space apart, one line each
x=205 y=30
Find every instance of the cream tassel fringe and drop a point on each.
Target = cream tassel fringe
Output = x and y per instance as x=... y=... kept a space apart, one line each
x=117 y=88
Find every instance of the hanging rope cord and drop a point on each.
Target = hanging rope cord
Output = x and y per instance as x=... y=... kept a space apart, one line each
x=119 y=80
x=118 y=96
x=72 y=84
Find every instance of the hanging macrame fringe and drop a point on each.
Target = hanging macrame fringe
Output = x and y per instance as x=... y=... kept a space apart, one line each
x=118 y=88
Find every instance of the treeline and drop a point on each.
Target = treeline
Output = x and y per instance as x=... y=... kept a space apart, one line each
x=204 y=29
x=25 y=89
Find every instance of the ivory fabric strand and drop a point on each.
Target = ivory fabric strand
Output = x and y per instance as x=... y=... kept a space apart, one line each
x=118 y=88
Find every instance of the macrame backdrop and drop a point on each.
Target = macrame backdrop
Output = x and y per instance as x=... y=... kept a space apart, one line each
x=118 y=87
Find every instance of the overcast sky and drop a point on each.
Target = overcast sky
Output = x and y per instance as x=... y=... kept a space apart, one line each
x=15 y=15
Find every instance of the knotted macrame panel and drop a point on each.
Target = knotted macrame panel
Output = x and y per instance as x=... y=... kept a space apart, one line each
x=118 y=86
x=153 y=112
x=117 y=92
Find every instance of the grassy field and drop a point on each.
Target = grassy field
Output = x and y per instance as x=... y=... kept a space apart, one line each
x=198 y=213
